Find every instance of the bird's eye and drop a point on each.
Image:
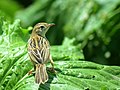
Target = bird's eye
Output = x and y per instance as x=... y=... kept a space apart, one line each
x=42 y=27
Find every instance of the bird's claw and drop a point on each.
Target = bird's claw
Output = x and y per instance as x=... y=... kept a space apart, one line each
x=31 y=72
x=51 y=69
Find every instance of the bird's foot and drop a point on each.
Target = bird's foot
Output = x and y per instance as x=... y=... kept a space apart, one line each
x=31 y=72
x=51 y=69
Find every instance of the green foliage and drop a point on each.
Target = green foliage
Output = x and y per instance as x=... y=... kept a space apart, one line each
x=89 y=27
x=94 y=23
x=73 y=73
x=9 y=7
x=14 y=62
x=79 y=20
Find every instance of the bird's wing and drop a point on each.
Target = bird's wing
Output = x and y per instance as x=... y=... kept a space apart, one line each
x=38 y=49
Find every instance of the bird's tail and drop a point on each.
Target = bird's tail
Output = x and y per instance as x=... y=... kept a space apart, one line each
x=41 y=75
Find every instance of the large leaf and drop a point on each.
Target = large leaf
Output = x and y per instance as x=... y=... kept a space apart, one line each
x=73 y=73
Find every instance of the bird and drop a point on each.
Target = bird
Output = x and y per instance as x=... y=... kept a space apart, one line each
x=39 y=51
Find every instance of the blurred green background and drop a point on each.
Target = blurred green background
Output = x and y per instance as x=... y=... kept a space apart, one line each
x=95 y=24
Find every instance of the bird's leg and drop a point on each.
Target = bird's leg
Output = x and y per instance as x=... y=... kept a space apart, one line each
x=30 y=72
x=52 y=63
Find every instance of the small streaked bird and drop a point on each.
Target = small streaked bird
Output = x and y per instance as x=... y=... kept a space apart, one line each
x=39 y=51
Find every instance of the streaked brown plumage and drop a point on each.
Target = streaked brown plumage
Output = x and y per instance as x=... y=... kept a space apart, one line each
x=39 y=51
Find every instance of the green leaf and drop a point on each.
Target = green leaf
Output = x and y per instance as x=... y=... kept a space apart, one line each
x=73 y=72
x=14 y=61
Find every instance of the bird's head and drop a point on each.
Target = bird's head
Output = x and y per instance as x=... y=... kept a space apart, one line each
x=41 y=28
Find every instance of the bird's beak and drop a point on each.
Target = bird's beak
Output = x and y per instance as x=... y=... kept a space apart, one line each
x=52 y=24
